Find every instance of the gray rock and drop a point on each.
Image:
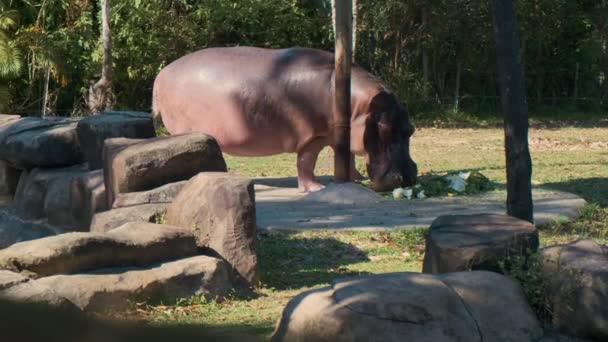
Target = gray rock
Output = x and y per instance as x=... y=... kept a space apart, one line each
x=410 y=307
x=58 y=199
x=163 y=194
x=219 y=208
x=13 y=230
x=576 y=281
x=87 y=197
x=34 y=142
x=155 y=162
x=115 y=289
x=108 y=220
x=9 y=178
x=111 y=147
x=10 y=279
x=34 y=292
x=134 y=244
x=94 y=130
x=476 y=242
x=45 y=191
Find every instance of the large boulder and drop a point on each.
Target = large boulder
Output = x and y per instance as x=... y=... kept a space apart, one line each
x=155 y=162
x=13 y=230
x=94 y=130
x=87 y=197
x=111 y=219
x=43 y=192
x=10 y=279
x=111 y=147
x=163 y=194
x=116 y=289
x=134 y=244
x=9 y=178
x=576 y=284
x=220 y=210
x=476 y=242
x=471 y=306
x=34 y=142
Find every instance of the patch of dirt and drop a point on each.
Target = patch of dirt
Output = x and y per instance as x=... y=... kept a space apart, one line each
x=546 y=144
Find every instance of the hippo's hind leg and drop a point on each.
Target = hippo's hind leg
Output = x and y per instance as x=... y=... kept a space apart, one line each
x=307 y=160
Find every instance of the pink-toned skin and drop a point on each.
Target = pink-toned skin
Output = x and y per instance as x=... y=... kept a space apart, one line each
x=261 y=102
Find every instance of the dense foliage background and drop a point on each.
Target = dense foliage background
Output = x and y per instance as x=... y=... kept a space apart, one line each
x=437 y=54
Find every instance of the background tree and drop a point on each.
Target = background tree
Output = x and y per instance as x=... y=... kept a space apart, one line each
x=101 y=94
x=514 y=111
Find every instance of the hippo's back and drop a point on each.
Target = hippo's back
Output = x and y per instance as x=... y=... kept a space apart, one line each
x=254 y=101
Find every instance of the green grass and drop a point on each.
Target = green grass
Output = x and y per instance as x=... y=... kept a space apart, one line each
x=566 y=158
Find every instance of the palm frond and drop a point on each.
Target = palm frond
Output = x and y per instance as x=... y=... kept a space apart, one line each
x=11 y=61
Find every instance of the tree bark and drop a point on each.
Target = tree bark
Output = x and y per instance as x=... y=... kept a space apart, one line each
x=457 y=87
x=354 y=27
x=575 y=92
x=45 y=97
x=342 y=10
x=515 y=111
x=101 y=94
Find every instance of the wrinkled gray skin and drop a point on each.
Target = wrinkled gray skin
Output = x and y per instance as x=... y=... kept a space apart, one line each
x=260 y=102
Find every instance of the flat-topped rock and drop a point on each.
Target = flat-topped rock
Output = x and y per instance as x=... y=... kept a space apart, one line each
x=163 y=194
x=134 y=244
x=34 y=142
x=111 y=219
x=155 y=162
x=347 y=193
x=116 y=289
x=219 y=208
x=470 y=306
x=32 y=292
x=94 y=130
x=476 y=242
x=576 y=281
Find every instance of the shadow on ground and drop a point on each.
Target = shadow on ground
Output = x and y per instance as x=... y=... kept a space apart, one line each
x=593 y=190
x=290 y=261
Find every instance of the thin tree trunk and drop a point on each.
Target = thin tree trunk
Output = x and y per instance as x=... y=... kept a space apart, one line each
x=355 y=4
x=45 y=98
x=575 y=92
x=341 y=105
x=457 y=87
x=515 y=111
x=101 y=95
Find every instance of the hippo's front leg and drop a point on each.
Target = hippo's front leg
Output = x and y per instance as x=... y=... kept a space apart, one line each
x=307 y=160
x=355 y=176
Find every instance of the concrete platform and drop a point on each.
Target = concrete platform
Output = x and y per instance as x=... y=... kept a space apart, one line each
x=280 y=206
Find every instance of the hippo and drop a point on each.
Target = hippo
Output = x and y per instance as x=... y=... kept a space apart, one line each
x=260 y=102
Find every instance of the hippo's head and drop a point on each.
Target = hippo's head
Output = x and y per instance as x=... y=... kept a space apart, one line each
x=387 y=144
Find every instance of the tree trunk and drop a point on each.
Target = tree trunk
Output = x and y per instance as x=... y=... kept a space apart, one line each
x=457 y=87
x=575 y=92
x=354 y=27
x=341 y=106
x=101 y=94
x=45 y=98
x=515 y=111
x=425 y=55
